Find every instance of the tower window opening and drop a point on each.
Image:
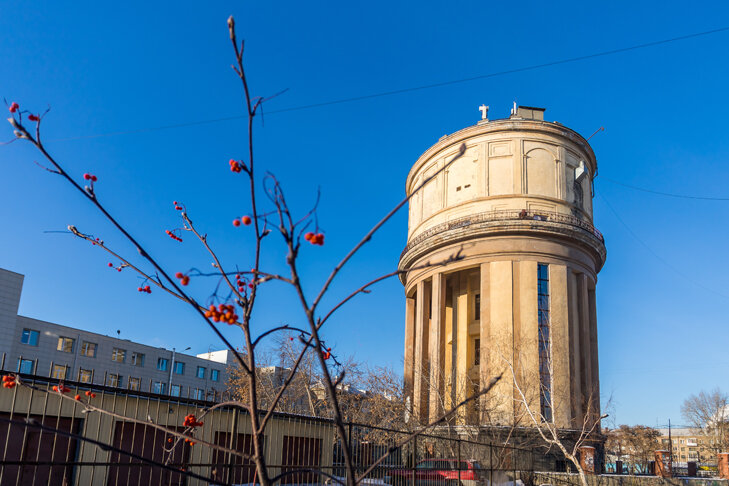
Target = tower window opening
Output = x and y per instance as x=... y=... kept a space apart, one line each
x=579 y=195
x=477 y=308
x=545 y=351
x=477 y=352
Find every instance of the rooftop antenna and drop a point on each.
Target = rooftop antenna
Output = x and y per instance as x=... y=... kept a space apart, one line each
x=601 y=129
x=118 y=333
x=513 y=109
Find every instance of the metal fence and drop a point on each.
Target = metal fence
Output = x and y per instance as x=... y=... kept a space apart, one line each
x=48 y=440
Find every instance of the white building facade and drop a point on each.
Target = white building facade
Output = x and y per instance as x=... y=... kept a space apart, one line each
x=36 y=347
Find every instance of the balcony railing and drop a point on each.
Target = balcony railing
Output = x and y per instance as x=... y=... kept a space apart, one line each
x=504 y=215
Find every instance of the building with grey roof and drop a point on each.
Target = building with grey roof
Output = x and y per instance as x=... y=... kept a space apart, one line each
x=43 y=348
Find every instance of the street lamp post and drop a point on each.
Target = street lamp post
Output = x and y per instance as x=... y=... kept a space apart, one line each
x=172 y=366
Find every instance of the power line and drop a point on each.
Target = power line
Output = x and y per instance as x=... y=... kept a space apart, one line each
x=658 y=257
x=411 y=89
x=661 y=193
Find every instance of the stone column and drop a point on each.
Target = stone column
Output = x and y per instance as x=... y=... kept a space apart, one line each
x=437 y=346
x=559 y=337
x=485 y=370
x=585 y=338
x=723 y=461
x=420 y=372
x=575 y=365
x=593 y=348
x=526 y=332
x=461 y=356
x=409 y=348
x=502 y=341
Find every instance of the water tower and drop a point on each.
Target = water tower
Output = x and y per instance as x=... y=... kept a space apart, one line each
x=521 y=299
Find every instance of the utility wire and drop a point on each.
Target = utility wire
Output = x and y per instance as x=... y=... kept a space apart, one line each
x=411 y=89
x=661 y=193
x=658 y=257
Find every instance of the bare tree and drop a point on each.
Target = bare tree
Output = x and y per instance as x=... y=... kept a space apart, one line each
x=708 y=413
x=537 y=405
x=235 y=295
x=633 y=444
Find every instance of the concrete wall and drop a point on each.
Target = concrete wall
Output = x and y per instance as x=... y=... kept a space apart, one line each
x=558 y=479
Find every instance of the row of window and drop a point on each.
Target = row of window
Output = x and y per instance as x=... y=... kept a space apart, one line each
x=61 y=372
x=86 y=376
x=118 y=355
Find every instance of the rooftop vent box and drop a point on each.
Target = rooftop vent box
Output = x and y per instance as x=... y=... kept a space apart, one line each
x=529 y=113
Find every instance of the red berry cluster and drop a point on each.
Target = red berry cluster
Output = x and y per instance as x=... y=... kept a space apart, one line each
x=34 y=118
x=13 y=107
x=98 y=241
x=61 y=389
x=77 y=398
x=224 y=312
x=173 y=236
x=235 y=166
x=246 y=220
x=241 y=282
x=89 y=177
x=184 y=279
x=90 y=394
x=191 y=421
x=9 y=381
x=177 y=205
x=314 y=238
x=328 y=353
x=146 y=288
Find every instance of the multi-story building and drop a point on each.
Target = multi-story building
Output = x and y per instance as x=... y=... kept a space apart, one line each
x=43 y=348
x=519 y=300
x=686 y=444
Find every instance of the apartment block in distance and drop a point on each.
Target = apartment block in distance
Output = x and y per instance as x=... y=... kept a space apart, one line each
x=43 y=348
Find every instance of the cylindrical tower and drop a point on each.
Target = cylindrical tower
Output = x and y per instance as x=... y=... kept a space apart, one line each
x=519 y=298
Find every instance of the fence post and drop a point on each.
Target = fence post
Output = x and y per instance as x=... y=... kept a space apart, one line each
x=351 y=452
x=233 y=437
x=415 y=456
x=459 y=461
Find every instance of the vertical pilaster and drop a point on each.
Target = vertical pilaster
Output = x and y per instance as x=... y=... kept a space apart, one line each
x=527 y=344
x=502 y=339
x=485 y=370
x=409 y=348
x=593 y=349
x=462 y=346
x=450 y=342
x=575 y=367
x=559 y=340
x=420 y=374
x=585 y=358
x=437 y=346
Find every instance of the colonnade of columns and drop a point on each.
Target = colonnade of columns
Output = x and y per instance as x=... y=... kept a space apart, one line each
x=464 y=327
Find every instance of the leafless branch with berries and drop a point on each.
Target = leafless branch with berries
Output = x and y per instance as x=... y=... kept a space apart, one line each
x=236 y=291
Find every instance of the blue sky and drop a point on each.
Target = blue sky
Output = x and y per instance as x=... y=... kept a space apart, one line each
x=662 y=295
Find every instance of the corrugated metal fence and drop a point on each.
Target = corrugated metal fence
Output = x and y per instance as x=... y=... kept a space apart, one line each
x=46 y=439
